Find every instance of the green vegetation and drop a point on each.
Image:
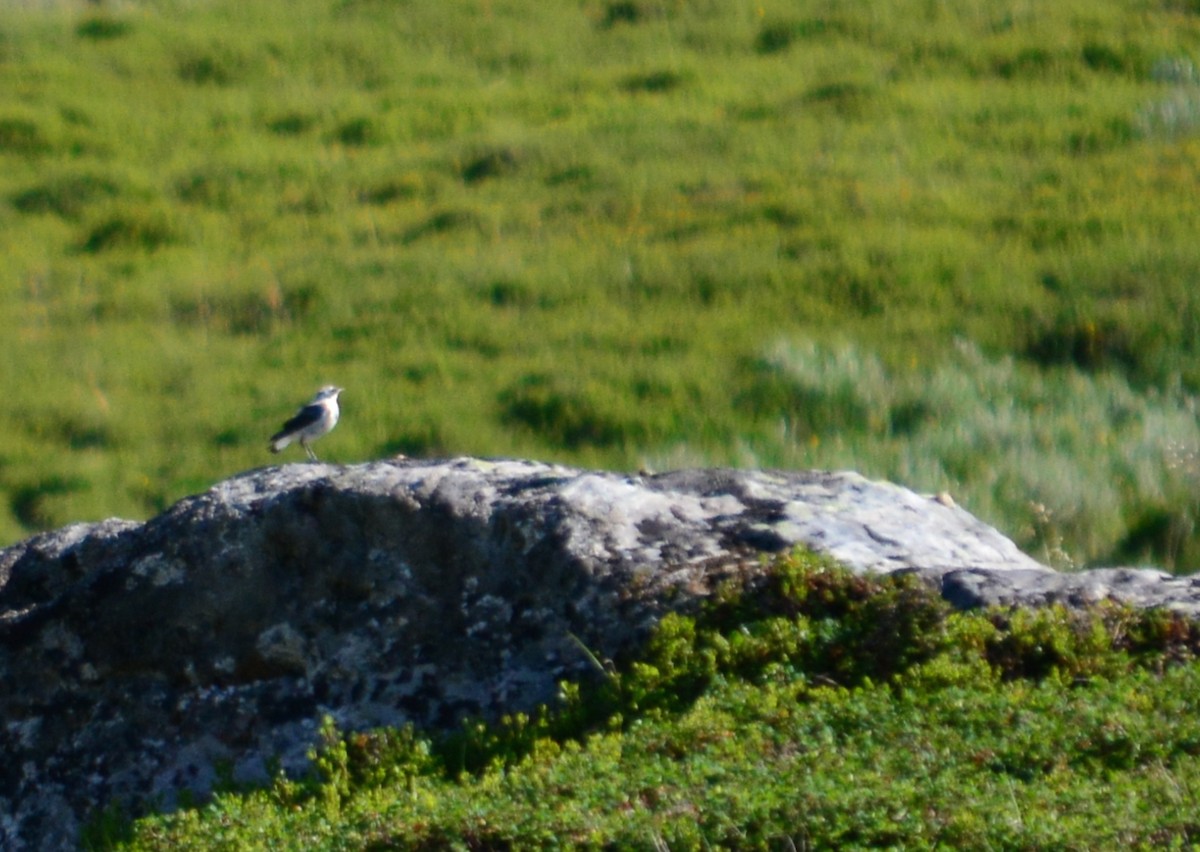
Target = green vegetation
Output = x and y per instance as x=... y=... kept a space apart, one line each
x=952 y=244
x=1064 y=452
x=821 y=710
x=610 y=233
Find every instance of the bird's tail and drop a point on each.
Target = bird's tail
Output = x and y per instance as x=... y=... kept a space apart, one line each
x=278 y=442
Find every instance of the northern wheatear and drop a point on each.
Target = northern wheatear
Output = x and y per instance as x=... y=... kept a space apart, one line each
x=311 y=421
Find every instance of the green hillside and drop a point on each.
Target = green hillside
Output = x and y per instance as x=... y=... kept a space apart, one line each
x=952 y=244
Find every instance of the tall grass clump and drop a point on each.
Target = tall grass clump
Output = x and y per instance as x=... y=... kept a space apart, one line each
x=1080 y=467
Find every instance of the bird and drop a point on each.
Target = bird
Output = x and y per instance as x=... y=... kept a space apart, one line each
x=313 y=420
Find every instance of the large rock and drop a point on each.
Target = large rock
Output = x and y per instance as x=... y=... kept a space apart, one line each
x=135 y=658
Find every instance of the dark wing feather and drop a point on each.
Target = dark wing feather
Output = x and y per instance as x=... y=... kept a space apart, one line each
x=306 y=416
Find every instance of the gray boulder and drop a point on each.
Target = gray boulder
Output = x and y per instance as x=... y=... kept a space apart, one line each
x=137 y=658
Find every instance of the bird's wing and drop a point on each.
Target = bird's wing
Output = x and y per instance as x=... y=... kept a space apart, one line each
x=306 y=416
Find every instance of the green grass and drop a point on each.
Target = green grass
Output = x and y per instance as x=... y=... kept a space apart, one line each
x=585 y=231
x=1059 y=454
x=822 y=710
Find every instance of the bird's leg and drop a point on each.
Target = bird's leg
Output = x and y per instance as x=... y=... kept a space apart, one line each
x=312 y=456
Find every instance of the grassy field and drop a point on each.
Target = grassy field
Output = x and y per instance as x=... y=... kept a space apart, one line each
x=824 y=712
x=949 y=243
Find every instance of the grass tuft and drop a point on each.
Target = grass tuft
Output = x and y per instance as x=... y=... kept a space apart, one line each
x=653 y=82
x=103 y=28
x=778 y=36
x=22 y=136
x=357 y=132
x=129 y=229
x=67 y=196
x=570 y=417
x=491 y=164
x=1004 y=438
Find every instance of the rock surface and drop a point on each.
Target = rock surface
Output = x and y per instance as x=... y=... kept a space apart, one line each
x=134 y=658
